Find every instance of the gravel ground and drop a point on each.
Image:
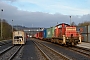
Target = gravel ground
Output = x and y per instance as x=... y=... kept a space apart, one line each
x=7 y=55
x=29 y=51
x=5 y=46
x=67 y=52
x=5 y=42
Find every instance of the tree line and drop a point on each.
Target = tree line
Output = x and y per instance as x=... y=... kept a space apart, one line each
x=81 y=24
x=6 y=30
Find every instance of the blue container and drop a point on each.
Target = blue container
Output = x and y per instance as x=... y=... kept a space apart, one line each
x=44 y=33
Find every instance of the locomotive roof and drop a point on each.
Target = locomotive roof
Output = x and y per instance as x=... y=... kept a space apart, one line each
x=63 y=23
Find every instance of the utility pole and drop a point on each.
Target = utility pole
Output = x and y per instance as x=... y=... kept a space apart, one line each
x=1 y=23
x=57 y=23
x=12 y=26
x=12 y=29
x=70 y=20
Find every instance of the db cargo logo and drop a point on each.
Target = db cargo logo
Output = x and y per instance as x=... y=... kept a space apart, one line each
x=49 y=33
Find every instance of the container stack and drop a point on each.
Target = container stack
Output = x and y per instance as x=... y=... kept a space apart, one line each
x=85 y=32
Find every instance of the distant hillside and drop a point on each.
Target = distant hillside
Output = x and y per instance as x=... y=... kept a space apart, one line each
x=18 y=27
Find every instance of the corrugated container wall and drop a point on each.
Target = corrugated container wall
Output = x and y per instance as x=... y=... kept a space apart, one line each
x=82 y=29
x=36 y=35
x=52 y=31
x=49 y=35
x=88 y=38
x=44 y=33
x=84 y=37
x=88 y=28
x=40 y=34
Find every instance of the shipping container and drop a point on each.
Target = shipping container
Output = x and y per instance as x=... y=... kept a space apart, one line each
x=50 y=32
x=84 y=37
x=36 y=35
x=82 y=29
x=88 y=28
x=44 y=33
x=88 y=38
x=40 y=35
x=19 y=37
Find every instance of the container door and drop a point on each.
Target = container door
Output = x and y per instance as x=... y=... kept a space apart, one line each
x=88 y=37
x=84 y=37
x=89 y=29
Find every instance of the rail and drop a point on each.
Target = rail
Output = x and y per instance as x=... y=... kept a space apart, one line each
x=9 y=53
x=81 y=50
x=55 y=54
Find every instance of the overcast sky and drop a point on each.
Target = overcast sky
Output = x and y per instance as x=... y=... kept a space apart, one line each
x=44 y=13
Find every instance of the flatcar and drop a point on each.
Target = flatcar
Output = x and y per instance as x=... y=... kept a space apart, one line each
x=19 y=37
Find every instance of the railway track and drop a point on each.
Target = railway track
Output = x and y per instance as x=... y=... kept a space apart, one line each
x=9 y=53
x=78 y=49
x=81 y=50
x=50 y=54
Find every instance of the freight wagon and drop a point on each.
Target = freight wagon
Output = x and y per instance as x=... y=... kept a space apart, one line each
x=19 y=37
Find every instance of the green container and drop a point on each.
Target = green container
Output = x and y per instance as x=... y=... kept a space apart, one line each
x=50 y=32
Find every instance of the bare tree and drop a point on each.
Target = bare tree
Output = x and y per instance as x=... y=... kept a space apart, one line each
x=84 y=23
x=73 y=24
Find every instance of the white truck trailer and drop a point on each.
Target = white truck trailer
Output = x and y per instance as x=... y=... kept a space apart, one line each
x=19 y=37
